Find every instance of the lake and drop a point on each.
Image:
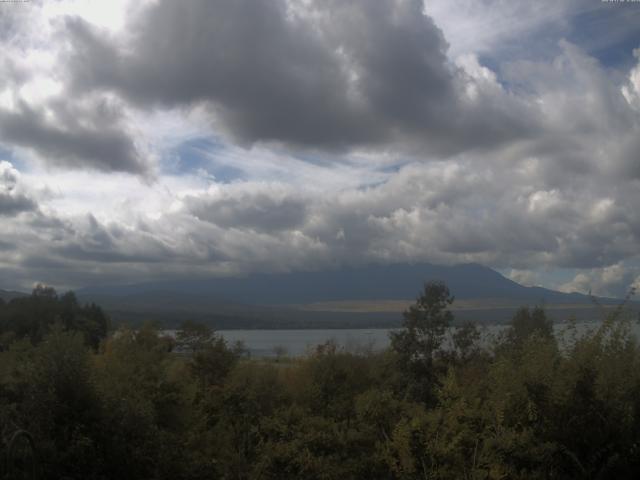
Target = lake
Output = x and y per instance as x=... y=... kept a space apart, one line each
x=265 y=343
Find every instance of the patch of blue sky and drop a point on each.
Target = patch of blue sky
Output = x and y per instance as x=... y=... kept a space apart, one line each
x=540 y=44
x=557 y=276
x=393 y=168
x=201 y=155
x=320 y=160
x=363 y=187
x=609 y=33
x=9 y=156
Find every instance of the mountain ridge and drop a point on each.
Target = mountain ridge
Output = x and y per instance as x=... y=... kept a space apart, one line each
x=359 y=297
x=8 y=295
x=396 y=281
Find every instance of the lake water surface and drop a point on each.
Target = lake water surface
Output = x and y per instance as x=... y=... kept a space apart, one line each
x=266 y=343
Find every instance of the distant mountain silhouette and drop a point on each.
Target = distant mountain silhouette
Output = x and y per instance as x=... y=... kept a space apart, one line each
x=400 y=281
x=8 y=295
x=283 y=300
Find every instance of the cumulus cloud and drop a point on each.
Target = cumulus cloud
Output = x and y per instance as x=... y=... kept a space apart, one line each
x=261 y=209
x=524 y=277
x=70 y=136
x=355 y=132
x=320 y=74
x=13 y=198
x=608 y=281
x=41 y=115
x=424 y=212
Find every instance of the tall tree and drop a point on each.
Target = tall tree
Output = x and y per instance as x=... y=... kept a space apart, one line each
x=418 y=343
x=527 y=322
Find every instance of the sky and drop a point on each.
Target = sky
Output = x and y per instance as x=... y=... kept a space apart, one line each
x=159 y=139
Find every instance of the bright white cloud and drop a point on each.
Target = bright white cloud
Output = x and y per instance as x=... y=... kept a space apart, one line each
x=631 y=90
x=527 y=278
x=607 y=281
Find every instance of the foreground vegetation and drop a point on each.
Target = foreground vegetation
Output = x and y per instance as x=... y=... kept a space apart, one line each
x=137 y=405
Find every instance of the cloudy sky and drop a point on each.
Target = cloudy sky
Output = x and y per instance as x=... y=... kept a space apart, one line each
x=157 y=139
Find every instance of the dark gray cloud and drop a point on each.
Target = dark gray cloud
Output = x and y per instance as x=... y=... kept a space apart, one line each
x=14 y=204
x=268 y=78
x=86 y=137
x=40 y=113
x=252 y=210
x=322 y=74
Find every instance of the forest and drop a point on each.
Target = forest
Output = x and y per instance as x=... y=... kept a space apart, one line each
x=437 y=404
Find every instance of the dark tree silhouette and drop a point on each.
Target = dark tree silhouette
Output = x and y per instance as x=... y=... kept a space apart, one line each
x=417 y=344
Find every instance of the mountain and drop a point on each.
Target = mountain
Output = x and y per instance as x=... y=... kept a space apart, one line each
x=401 y=281
x=348 y=297
x=8 y=295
